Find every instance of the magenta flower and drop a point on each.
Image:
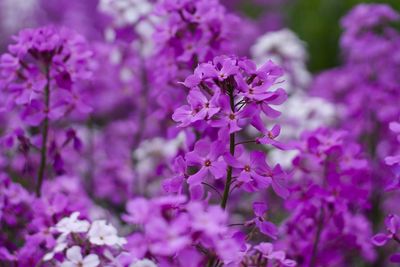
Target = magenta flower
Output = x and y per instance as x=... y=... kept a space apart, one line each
x=254 y=174
x=265 y=227
x=174 y=184
x=47 y=57
x=392 y=223
x=269 y=136
x=231 y=121
x=267 y=251
x=247 y=170
x=209 y=157
x=200 y=108
x=221 y=69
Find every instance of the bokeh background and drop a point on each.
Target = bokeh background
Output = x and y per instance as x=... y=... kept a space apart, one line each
x=317 y=22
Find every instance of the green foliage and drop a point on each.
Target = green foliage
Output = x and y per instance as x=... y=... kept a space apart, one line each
x=317 y=22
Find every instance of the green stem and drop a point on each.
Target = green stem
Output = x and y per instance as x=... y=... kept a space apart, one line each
x=228 y=183
x=317 y=238
x=211 y=262
x=45 y=132
x=396 y=238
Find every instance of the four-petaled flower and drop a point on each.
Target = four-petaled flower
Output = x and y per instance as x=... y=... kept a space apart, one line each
x=267 y=251
x=208 y=156
x=75 y=259
x=101 y=233
x=72 y=224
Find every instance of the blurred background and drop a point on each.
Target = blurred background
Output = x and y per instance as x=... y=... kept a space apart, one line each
x=316 y=22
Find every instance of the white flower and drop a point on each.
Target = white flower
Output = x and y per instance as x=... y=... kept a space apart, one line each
x=72 y=224
x=287 y=50
x=299 y=113
x=101 y=233
x=302 y=112
x=75 y=259
x=143 y=263
x=61 y=244
x=125 y=11
x=281 y=44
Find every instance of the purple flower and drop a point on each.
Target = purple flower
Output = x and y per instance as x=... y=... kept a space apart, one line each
x=265 y=227
x=208 y=156
x=392 y=223
x=229 y=120
x=254 y=174
x=200 y=108
x=221 y=69
x=247 y=170
x=267 y=251
x=268 y=136
x=174 y=184
x=41 y=61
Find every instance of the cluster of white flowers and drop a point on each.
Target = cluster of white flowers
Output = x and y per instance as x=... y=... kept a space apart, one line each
x=286 y=49
x=303 y=112
x=135 y=13
x=125 y=12
x=97 y=233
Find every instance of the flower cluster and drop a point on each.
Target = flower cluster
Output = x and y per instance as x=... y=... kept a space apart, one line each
x=226 y=96
x=191 y=32
x=77 y=236
x=29 y=221
x=40 y=70
x=39 y=79
x=330 y=196
x=176 y=232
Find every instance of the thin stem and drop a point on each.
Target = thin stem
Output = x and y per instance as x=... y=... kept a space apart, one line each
x=143 y=108
x=213 y=187
x=225 y=195
x=246 y=142
x=211 y=262
x=317 y=238
x=45 y=132
x=228 y=183
x=396 y=238
x=236 y=224
x=233 y=188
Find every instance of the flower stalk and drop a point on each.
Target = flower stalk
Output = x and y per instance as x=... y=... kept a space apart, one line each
x=228 y=183
x=45 y=133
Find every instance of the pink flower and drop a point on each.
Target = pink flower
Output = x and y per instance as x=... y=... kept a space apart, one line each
x=208 y=156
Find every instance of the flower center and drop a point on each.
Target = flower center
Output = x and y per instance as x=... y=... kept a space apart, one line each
x=232 y=116
x=207 y=163
x=247 y=168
